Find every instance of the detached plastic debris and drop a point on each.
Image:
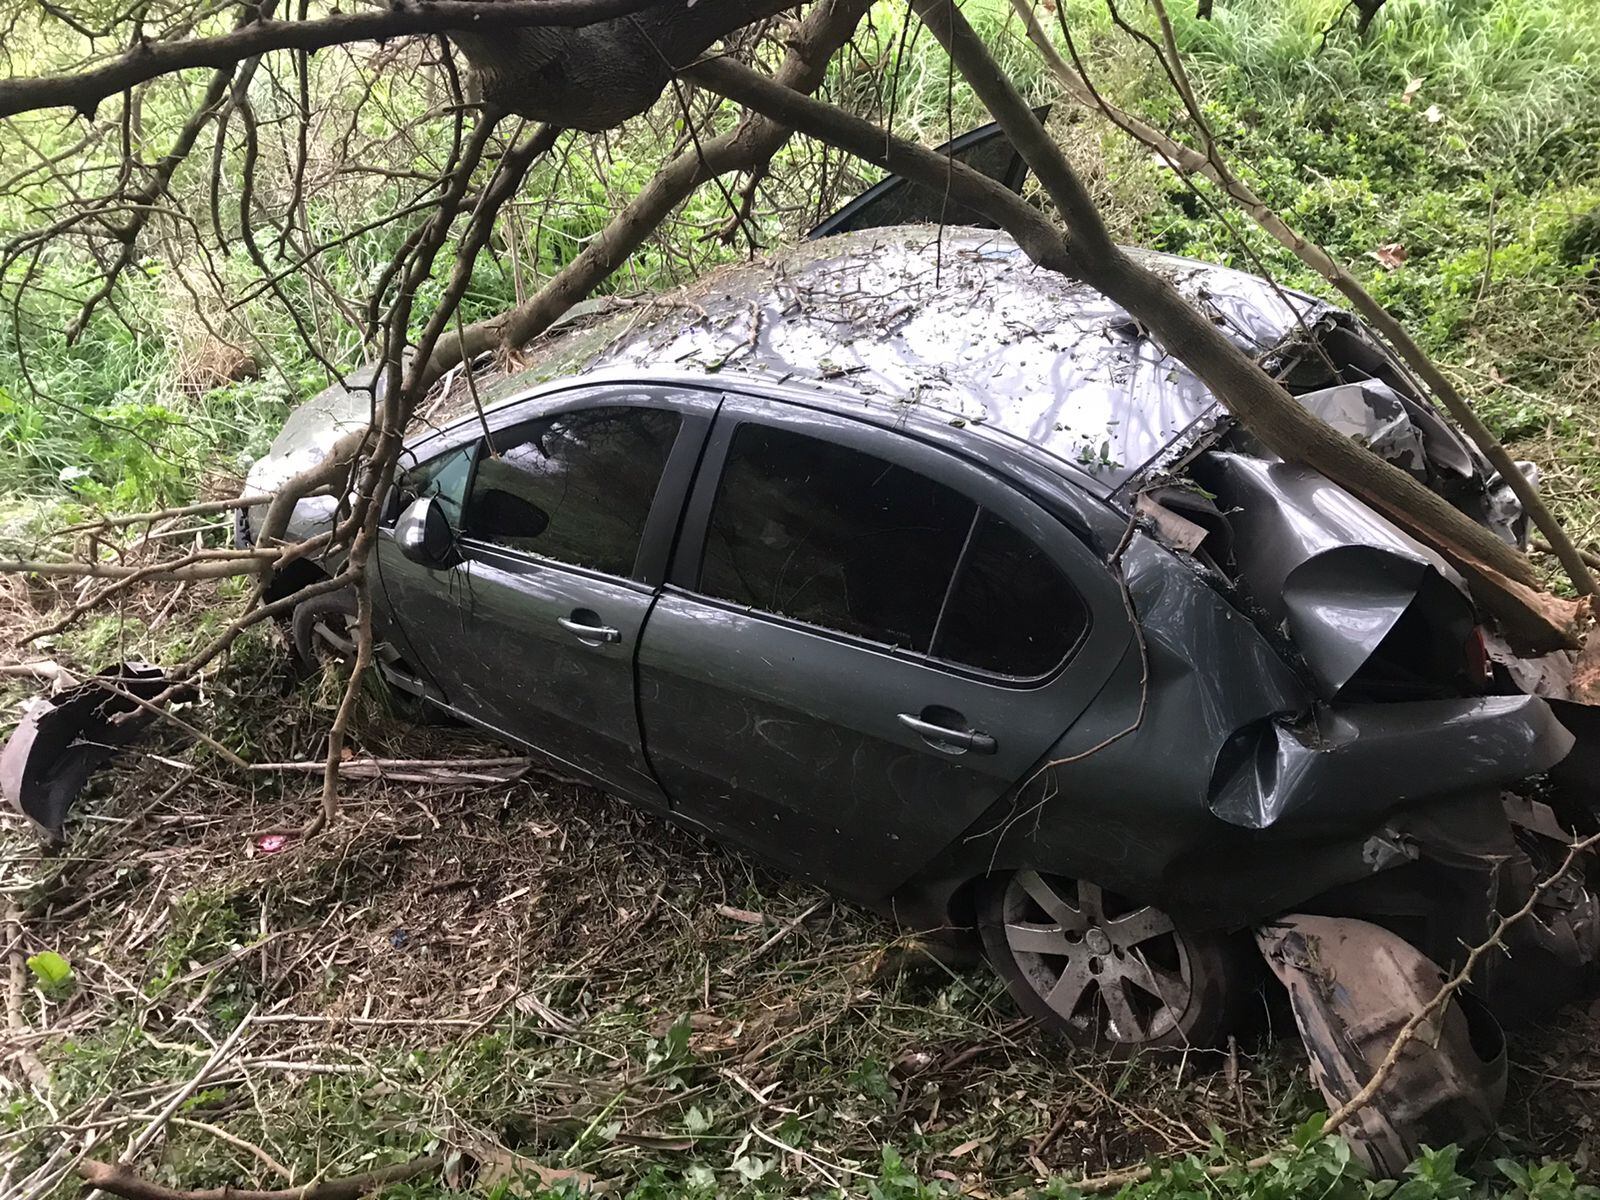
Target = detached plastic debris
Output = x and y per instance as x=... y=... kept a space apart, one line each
x=1353 y=986
x=65 y=739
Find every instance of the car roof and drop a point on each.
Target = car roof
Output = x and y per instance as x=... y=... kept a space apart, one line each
x=956 y=321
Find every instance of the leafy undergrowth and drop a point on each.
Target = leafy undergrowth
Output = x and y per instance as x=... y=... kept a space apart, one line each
x=1447 y=159
x=533 y=973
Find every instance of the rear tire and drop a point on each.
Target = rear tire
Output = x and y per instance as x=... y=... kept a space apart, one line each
x=1108 y=974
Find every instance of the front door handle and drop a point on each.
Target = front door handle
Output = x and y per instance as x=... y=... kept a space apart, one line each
x=586 y=627
x=946 y=738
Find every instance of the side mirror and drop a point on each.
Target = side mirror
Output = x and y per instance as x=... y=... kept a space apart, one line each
x=423 y=533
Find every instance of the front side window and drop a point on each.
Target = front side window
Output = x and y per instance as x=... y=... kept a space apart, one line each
x=821 y=533
x=576 y=488
x=443 y=479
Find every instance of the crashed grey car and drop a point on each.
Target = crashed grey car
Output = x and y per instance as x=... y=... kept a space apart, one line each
x=927 y=575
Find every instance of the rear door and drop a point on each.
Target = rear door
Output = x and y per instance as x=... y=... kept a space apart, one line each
x=864 y=642
x=563 y=529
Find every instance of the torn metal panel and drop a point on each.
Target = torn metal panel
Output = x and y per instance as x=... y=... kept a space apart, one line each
x=1371 y=414
x=1333 y=352
x=1333 y=573
x=62 y=741
x=1343 y=766
x=1353 y=987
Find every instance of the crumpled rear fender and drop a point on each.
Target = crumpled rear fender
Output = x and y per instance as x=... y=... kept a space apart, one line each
x=1332 y=572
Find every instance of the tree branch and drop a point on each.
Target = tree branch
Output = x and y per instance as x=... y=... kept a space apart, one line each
x=1213 y=166
x=84 y=90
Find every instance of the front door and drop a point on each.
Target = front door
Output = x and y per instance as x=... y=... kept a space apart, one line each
x=864 y=643
x=563 y=532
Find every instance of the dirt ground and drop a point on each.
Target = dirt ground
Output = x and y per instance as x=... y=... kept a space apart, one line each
x=531 y=968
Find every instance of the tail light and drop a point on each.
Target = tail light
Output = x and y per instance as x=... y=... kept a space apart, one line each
x=1480 y=667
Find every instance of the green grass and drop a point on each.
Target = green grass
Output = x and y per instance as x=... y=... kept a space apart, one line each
x=1493 y=202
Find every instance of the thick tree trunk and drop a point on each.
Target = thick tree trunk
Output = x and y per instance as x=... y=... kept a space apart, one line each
x=596 y=76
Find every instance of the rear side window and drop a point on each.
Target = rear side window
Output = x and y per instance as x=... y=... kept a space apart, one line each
x=832 y=536
x=839 y=538
x=1011 y=611
x=576 y=488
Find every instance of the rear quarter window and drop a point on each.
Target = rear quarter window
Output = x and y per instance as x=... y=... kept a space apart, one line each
x=1011 y=611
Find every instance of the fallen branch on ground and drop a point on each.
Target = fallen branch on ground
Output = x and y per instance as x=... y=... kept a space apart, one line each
x=120 y=1181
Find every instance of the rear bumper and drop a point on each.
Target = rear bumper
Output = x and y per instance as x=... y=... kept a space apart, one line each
x=1343 y=767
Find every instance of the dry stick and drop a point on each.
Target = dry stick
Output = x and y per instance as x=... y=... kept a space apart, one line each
x=17 y=981
x=1544 y=547
x=204 y=508
x=1213 y=166
x=234 y=1139
x=111 y=686
x=163 y=569
x=120 y=1181
x=210 y=564
x=399 y=398
x=400 y=764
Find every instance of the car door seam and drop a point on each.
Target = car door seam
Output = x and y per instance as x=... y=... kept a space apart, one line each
x=655 y=598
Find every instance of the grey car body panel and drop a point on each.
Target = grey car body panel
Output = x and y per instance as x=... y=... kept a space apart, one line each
x=954 y=343
x=751 y=719
x=1348 y=766
x=1336 y=574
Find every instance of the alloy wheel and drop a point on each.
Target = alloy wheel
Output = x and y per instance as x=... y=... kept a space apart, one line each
x=1108 y=972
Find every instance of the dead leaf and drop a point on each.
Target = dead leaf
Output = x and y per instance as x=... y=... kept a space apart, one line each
x=1412 y=88
x=1390 y=256
x=1435 y=114
x=498 y=1165
x=968 y=1147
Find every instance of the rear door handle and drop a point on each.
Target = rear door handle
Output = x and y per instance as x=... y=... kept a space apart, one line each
x=948 y=738
x=585 y=626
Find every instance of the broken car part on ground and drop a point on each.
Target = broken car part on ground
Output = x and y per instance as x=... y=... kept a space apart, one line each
x=926 y=574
